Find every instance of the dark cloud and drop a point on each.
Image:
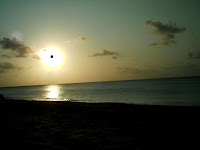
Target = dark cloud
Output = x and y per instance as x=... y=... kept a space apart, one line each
x=6 y=66
x=19 y=48
x=2 y=71
x=106 y=53
x=154 y=44
x=36 y=57
x=114 y=57
x=82 y=38
x=5 y=56
x=195 y=55
x=165 y=31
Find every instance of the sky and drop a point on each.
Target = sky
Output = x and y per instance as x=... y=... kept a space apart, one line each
x=98 y=40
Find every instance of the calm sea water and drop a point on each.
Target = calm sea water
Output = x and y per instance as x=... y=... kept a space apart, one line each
x=175 y=91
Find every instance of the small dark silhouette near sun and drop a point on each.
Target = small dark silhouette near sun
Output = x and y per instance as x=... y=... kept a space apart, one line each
x=51 y=56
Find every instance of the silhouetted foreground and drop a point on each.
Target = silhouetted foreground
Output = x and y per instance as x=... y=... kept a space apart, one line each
x=2 y=98
x=63 y=125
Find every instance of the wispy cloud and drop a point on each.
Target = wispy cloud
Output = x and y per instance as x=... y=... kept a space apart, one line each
x=106 y=53
x=114 y=57
x=19 y=48
x=195 y=55
x=7 y=66
x=82 y=38
x=165 y=31
x=77 y=39
x=5 y=56
x=35 y=56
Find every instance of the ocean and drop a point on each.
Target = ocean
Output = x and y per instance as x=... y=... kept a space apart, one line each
x=171 y=91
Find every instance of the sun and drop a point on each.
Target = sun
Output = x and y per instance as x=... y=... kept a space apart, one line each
x=51 y=58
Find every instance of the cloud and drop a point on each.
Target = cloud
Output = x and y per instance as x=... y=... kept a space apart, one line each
x=165 y=31
x=82 y=38
x=114 y=57
x=36 y=57
x=6 y=66
x=5 y=56
x=106 y=53
x=195 y=55
x=2 y=71
x=19 y=48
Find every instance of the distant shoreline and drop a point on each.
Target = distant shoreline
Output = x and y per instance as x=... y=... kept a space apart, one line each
x=11 y=101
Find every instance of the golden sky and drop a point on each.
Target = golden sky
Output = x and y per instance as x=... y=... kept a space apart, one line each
x=93 y=41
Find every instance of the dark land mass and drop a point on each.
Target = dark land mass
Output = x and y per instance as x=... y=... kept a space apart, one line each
x=35 y=125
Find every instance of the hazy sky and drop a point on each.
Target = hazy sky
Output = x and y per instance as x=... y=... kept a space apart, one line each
x=100 y=40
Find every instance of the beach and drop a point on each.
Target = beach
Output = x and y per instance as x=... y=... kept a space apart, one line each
x=71 y=125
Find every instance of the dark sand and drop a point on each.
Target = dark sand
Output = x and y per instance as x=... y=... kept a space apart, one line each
x=64 y=125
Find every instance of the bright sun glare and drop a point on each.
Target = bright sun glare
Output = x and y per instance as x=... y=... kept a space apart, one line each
x=52 y=58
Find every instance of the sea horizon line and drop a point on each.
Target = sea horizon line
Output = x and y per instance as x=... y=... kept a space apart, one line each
x=104 y=81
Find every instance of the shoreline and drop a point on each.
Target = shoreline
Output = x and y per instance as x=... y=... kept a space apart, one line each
x=8 y=100
x=75 y=125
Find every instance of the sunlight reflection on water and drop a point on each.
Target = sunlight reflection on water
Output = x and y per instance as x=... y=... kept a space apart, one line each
x=53 y=92
x=175 y=91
